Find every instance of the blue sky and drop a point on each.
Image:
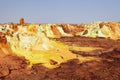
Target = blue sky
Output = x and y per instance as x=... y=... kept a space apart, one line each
x=59 y=11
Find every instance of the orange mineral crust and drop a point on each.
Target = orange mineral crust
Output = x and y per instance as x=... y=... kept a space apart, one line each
x=60 y=51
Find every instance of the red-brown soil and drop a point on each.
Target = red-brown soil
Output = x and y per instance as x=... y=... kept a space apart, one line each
x=108 y=68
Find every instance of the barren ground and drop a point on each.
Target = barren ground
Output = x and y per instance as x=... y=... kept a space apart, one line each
x=108 y=68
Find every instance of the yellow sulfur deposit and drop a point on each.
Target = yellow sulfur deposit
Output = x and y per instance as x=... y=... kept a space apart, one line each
x=32 y=43
x=58 y=53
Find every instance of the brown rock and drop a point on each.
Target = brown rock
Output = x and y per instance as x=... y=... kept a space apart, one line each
x=55 y=30
x=22 y=21
x=4 y=71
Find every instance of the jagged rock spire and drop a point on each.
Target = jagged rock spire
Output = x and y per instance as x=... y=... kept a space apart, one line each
x=22 y=21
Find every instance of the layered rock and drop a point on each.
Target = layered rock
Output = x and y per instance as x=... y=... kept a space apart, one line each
x=98 y=29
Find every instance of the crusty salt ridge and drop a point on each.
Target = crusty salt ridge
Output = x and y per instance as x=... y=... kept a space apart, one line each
x=97 y=29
